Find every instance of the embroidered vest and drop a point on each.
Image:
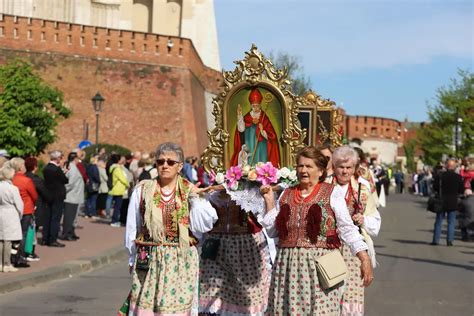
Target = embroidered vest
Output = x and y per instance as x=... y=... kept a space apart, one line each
x=310 y=224
x=171 y=227
x=232 y=219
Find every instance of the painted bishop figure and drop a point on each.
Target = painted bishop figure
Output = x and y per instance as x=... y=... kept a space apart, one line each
x=255 y=130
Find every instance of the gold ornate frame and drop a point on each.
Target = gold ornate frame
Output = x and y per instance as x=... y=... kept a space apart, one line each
x=322 y=134
x=254 y=70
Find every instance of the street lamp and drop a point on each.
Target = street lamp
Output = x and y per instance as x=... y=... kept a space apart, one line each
x=97 y=102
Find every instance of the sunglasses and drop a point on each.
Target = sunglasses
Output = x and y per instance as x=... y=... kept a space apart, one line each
x=169 y=162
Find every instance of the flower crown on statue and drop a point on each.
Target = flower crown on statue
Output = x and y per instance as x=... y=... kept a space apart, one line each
x=236 y=177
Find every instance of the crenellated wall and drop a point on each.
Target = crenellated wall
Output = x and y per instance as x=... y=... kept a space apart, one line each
x=153 y=92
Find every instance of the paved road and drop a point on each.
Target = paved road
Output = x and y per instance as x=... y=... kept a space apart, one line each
x=413 y=278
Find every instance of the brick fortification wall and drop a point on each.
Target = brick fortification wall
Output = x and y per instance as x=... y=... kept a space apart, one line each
x=153 y=93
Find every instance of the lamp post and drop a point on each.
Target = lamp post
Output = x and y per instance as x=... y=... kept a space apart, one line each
x=97 y=102
x=457 y=134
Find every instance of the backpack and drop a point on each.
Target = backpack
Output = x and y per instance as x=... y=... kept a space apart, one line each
x=145 y=175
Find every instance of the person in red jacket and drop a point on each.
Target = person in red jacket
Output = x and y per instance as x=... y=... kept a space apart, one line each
x=29 y=195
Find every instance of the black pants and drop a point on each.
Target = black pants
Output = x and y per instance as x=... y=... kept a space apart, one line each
x=124 y=211
x=52 y=221
x=26 y=222
x=70 y=211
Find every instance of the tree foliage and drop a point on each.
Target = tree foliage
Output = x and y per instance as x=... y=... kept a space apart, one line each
x=455 y=101
x=29 y=110
x=300 y=83
x=409 y=149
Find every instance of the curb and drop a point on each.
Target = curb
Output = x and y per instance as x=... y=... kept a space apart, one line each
x=66 y=270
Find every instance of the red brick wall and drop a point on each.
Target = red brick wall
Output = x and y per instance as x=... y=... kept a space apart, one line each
x=364 y=127
x=152 y=95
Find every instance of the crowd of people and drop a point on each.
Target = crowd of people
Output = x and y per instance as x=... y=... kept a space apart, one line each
x=48 y=205
x=212 y=250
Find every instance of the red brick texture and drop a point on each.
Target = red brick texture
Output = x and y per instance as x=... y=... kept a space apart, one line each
x=153 y=93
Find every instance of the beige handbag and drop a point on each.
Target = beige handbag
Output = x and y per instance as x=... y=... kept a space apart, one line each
x=331 y=269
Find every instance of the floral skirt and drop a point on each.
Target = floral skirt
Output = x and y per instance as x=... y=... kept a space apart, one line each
x=295 y=286
x=168 y=287
x=237 y=281
x=353 y=296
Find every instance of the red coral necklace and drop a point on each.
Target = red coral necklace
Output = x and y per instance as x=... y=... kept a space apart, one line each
x=298 y=197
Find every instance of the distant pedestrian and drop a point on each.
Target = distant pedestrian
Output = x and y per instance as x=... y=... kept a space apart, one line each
x=449 y=186
x=44 y=197
x=466 y=215
x=55 y=181
x=29 y=195
x=92 y=187
x=119 y=186
x=74 y=197
x=11 y=210
x=103 y=189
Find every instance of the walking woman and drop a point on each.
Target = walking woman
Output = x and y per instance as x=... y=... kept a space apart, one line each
x=363 y=211
x=163 y=216
x=11 y=210
x=311 y=220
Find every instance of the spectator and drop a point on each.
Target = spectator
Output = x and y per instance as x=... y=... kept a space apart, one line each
x=92 y=187
x=449 y=186
x=119 y=187
x=147 y=169
x=11 y=209
x=29 y=195
x=114 y=158
x=126 y=196
x=74 y=197
x=103 y=189
x=466 y=214
x=137 y=156
x=44 y=197
x=399 y=181
x=55 y=181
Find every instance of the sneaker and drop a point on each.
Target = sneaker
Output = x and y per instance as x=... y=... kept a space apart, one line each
x=32 y=257
x=9 y=268
x=115 y=224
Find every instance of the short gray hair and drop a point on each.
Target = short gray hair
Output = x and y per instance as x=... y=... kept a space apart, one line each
x=55 y=155
x=7 y=172
x=17 y=163
x=343 y=154
x=170 y=147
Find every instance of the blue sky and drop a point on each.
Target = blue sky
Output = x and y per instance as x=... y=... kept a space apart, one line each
x=379 y=57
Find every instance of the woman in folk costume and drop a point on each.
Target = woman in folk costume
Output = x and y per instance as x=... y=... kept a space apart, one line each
x=310 y=220
x=235 y=270
x=365 y=215
x=163 y=216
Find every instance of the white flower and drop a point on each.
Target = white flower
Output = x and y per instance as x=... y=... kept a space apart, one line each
x=235 y=186
x=246 y=170
x=284 y=172
x=220 y=178
x=292 y=176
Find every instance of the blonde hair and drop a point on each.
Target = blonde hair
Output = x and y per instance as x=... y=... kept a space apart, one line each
x=6 y=172
x=18 y=164
x=3 y=160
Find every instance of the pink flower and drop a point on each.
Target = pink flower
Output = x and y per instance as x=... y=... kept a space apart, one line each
x=267 y=174
x=233 y=175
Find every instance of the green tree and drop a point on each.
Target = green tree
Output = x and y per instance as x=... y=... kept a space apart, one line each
x=300 y=83
x=29 y=110
x=455 y=104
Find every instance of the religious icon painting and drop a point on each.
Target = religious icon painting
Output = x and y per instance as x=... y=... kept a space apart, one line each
x=256 y=117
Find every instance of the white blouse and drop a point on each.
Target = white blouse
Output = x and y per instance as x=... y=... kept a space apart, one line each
x=202 y=217
x=373 y=221
x=347 y=231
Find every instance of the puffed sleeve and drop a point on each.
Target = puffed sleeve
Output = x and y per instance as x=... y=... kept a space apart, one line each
x=202 y=216
x=372 y=223
x=348 y=232
x=133 y=221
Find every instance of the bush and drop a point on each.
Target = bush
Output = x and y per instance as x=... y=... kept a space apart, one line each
x=109 y=148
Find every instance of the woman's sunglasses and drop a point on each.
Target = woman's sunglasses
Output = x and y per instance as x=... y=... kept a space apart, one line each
x=169 y=162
